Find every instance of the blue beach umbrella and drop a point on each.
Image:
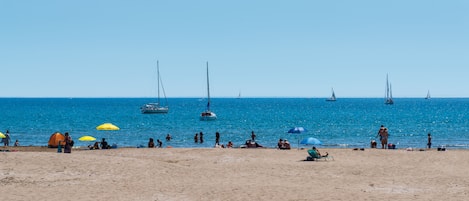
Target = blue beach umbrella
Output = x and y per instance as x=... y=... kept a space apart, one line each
x=310 y=141
x=297 y=130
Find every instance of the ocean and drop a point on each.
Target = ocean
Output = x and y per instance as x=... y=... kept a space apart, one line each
x=345 y=123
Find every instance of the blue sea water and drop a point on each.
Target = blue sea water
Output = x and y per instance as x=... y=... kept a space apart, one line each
x=346 y=123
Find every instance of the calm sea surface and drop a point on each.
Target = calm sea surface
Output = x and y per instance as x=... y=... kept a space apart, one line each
x=346 y=123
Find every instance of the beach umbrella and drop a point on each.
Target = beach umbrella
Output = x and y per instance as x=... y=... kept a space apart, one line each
x=107 y=127
x=297 y=130
x=87 y=138
x=310 y=141
x=2 y=135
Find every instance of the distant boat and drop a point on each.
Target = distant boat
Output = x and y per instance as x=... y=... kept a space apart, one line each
x=388 y=96
x=239 y=95
x=208 y=115
x=152 y=108
x=332 y=98
x=428 y=95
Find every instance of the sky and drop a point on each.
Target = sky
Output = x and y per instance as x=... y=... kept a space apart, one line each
x=264 y=48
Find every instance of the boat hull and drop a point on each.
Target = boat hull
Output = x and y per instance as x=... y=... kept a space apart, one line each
x=208 y=116
x=153 y=108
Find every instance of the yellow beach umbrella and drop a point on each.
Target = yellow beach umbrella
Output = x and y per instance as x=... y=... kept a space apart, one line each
x=87 y=138
x=2 y=135
x=107 y=126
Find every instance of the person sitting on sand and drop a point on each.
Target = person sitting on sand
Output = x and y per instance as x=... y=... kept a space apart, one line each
x=96 y=145
x=229 y=145
x=280 y=144
x=17 y=143
x=104 y=144
x=286 y=144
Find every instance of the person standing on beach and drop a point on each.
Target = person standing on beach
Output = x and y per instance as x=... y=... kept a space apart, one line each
x=68 y=143
x=201 y=135
x=6 y=140
x=383 y=136
x=429 y=142
x=253 y=136
x=217 y=138
x=196 y=137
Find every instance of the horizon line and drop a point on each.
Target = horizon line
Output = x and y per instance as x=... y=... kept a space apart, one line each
x=222 y=97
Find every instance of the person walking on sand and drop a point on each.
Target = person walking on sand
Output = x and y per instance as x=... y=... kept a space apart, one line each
x=253 y=136
x=429 y=142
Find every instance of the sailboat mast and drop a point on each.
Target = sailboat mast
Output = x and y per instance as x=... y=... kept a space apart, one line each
x=386 y=95
x=390 y=91
x=158 y=75
x=208 y=90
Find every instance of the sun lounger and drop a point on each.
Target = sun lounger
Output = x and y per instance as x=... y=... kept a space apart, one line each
x=314 y=156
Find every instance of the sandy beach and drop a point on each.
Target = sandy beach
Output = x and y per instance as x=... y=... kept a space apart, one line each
x=39 y=173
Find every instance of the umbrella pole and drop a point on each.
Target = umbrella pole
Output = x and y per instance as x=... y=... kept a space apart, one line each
x=298 y=143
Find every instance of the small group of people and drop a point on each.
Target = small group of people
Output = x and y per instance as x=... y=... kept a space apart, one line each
x=229 y=145
x=283 y=144
x=151 y=143
x=100 y=145
x=198 y=136
x=383 y=135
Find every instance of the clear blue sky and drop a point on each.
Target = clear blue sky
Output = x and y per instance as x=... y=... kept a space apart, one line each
x=109 y=48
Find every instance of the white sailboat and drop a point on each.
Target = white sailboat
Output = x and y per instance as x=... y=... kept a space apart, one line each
x=428 y=95
x=388 y=96
x=152 y=108
x=332 y=98
x=208 y=115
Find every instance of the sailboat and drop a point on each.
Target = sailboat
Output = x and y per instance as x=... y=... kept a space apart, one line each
x=208 y=115
x=428 y=95
x=332 y=98
x=151 y=108
x=388 y=96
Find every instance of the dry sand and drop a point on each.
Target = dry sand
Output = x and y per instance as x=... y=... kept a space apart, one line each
x=38 y=173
